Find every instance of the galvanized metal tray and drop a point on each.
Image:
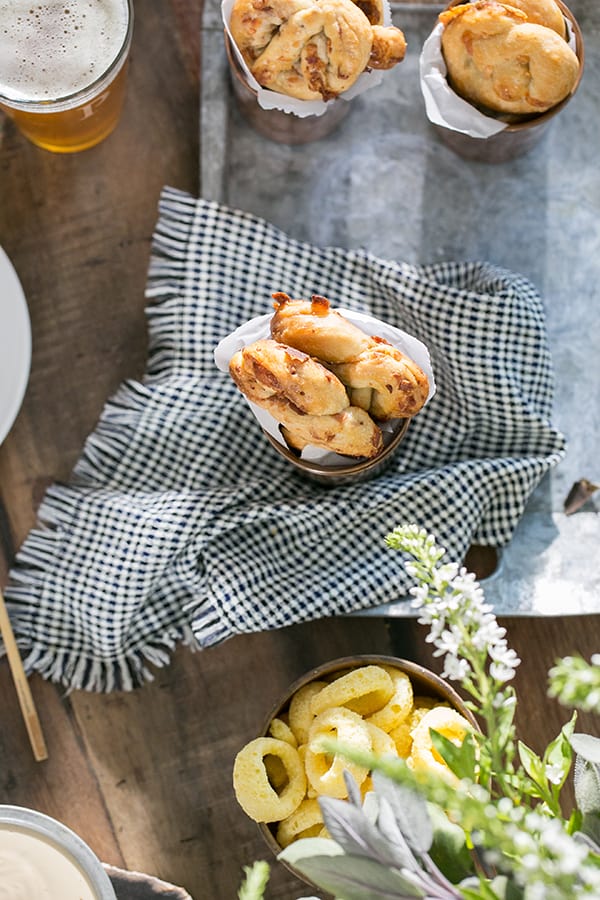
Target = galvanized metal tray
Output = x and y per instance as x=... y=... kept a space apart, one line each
x=384 y=181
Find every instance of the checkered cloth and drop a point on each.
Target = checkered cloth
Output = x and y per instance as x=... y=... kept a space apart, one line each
x=180 y=521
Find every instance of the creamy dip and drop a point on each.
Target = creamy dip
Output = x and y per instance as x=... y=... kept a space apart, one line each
x=32 y=868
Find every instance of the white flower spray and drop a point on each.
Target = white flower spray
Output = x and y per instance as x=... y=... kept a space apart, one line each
x=465 y=631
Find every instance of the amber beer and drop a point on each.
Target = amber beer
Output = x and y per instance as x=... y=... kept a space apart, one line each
x=63 y=69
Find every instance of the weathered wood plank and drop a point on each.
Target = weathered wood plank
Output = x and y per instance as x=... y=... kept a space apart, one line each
x=63 y=786
x=164 y=755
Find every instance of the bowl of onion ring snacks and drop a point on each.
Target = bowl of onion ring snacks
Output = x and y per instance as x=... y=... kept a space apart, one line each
x=295 y=59
x=495 y=73
x=332 y=389
x=379 y=704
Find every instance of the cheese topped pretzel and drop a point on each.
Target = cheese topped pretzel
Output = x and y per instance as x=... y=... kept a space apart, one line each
x=313 y=49
x=309 y=401
x=501 y=60
x=391 y=385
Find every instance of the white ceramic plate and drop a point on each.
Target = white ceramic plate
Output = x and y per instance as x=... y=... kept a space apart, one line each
x=15 y=344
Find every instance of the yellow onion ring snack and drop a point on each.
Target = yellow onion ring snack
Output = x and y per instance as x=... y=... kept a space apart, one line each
x=253 y=790
x=306 y=821
x=363 y=691
x=300 y=714
x=383 y=745
x=326 y=773
x=371 y=707
x=423 y=755
x=400 y=704
x=402 y=738
x=276 y=772
x=282 y=732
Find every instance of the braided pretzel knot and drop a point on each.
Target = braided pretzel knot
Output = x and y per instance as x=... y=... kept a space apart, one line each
x=306 y=398
x=500 y=59
x=313 y=49
x=382 y=380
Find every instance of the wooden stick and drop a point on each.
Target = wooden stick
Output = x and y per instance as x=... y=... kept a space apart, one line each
x=28 y=710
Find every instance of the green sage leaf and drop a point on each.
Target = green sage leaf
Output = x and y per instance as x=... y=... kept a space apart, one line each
x=357 y=836
x=587 y=746
x=358 y=878
x=590 y=826
x=306 y=847
x=449 y=848
x=587 y=785
x=409 y=809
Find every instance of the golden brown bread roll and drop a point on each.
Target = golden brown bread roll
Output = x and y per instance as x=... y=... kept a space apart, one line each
x=542 y=12
x=501 y=62
x=267 y=369
x=398 y=386
x=315 y=328
x=307 y=399
x=373 y=10
x=351 y=432
x=312 y=49
x=388 y=47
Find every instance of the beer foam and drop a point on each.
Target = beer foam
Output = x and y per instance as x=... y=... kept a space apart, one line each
x=31 y=867
x=49 y=50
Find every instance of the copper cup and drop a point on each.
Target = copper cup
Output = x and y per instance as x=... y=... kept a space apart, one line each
x=425 y=684
x=350 y=473
x=285 y=128
x=519 y=137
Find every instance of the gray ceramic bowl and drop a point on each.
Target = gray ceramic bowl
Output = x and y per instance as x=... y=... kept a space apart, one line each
x=50 y=831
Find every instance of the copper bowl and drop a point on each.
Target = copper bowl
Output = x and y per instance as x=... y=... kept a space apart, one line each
x=351 y=472
x=425 y=684
x=519 y=137
x=285 y=128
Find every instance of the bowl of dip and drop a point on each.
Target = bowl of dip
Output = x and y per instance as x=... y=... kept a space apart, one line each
x=42 y=858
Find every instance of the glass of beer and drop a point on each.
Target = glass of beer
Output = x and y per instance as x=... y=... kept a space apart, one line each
x=63 y=69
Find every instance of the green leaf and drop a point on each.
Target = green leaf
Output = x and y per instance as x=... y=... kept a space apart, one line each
x=306 y=847
x=499 y=888
x=357 y=836
x=449 y=849
x=590 y=826
x=409 y=809
x=575 y=820
x=559 y=753
x=461 y=759
x=255 y=882
x=390 y=829
x=357 y=878
x=532 y=764
x=587 y=785
x=587 y=746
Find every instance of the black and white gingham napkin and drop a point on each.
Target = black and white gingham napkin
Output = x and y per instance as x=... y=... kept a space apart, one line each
x=180 y=521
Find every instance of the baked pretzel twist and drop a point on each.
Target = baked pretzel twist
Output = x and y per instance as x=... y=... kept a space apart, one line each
x=382 y=380
x=501 y=60
x=308 y=400
x=313 y=49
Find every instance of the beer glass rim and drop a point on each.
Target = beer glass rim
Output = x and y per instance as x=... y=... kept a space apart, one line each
x=68 y=101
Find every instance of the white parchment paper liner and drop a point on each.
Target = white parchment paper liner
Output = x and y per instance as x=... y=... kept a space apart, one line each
x=444 y=107
x=302 y=108
x=259 y=328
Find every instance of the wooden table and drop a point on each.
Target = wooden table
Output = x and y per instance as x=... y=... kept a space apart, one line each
x=145 y=777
